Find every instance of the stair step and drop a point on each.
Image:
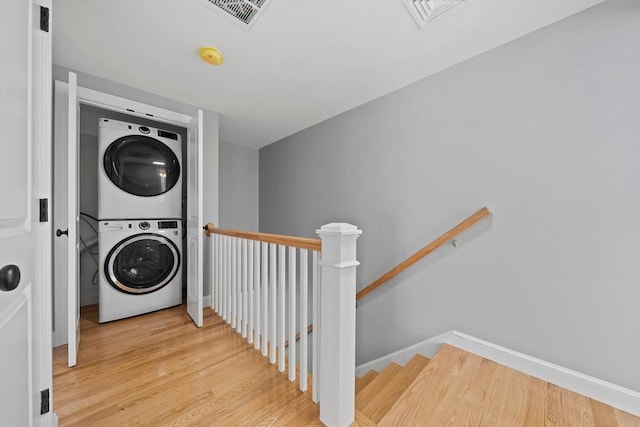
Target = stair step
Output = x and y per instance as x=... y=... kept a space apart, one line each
x=362 y=420
x=417 y=404
x=366 y=379
x=385 y=398
x=374 y=387
x=461 y=388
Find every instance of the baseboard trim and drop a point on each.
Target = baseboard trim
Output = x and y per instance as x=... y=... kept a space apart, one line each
x=426 y=348
x=206 y=301
x=603 y=391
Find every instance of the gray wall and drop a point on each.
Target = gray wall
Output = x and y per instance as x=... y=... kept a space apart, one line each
x=238 y=187
x=545 y=131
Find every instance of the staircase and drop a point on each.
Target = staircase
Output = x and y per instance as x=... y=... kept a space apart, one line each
x=462 y=389
x=257 y=278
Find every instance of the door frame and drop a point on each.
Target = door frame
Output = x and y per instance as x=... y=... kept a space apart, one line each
x=130 y=107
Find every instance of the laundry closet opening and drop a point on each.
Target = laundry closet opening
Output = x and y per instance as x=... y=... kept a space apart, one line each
x=90 y=166
x=136 y=182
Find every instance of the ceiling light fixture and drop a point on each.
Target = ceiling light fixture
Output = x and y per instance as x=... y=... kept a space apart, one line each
x=211 y=55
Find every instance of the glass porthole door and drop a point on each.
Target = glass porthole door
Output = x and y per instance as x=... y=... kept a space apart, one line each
x=142 y=264
x=141 y=165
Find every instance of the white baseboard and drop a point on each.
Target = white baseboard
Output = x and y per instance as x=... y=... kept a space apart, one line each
x=603 y=391
x=427 y=348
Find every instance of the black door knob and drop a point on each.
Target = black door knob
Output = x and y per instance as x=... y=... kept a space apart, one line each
x=60 y=232
x=9 y=277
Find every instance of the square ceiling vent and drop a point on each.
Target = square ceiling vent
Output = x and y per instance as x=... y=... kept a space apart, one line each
x=242 y=12
x=424 y=11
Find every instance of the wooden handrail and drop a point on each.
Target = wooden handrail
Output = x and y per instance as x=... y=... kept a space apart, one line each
x=446 y=237
x=316 y=245
x=298 y=242
x=309 y=330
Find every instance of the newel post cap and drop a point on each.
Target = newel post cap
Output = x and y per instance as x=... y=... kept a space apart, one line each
x=338 y=229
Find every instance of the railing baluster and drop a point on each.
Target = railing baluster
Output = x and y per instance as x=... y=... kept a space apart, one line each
x=250 y=294
x=265 y=297
x=245 y=312
x=304 y=318
x=257 y=288
x=292 y=313
x=214 y=279
x=281 y=305
x=218 y=273
x=234 y=281
x=228 y=287
x=273 y=286
x=239 y=285
x=225 y=277
x=315 y=344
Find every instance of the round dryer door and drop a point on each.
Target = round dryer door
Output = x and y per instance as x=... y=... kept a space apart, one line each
x=142 y=263
x=141 y=165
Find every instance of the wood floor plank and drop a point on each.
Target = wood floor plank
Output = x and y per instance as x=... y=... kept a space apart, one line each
x=377 y=385
x=361 y=420
x=421 y=394
x=366 y=379
x=159 y=369
x=287 y=414
x=475 y=398
x=385 y=398
x=507 y=394
x=454 y=390
x=310 y=414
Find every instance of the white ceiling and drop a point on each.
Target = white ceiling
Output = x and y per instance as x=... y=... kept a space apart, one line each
x=303 y=61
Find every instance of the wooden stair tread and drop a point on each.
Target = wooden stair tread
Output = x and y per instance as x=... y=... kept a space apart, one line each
x=378 y=406
x=366 y=379
x=362 y=420
x=460 y=388
x=374 y=387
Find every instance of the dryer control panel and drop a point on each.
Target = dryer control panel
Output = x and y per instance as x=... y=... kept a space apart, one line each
x=167 y=224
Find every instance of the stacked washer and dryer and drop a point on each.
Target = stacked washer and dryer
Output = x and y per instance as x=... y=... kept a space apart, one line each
x=140 y=225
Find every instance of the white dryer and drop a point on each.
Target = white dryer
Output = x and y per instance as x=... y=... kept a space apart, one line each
x=139 y=171
x=141 y=267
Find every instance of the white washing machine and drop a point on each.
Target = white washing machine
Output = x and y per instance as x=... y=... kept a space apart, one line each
x=139 y=171
x=141 y=267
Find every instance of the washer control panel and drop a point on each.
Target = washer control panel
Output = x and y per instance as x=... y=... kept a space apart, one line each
x=144 y=225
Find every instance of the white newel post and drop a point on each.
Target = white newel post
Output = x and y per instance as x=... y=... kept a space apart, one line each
x=338 y=324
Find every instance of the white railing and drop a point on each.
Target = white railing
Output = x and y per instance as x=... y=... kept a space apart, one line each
x=261 y=287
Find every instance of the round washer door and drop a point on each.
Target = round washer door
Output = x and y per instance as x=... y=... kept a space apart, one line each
x=142 y=264
x=141 y=165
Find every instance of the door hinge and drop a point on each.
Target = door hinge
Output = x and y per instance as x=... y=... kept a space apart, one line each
x=44 y=402
x=44 y=210
x=44 y=19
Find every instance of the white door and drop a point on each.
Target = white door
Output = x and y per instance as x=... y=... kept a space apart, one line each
x=73 y=219
x=22 y=285
x=195 y=220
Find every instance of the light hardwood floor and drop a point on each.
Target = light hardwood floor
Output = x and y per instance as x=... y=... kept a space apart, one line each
x=457 y=388
x=160 y=370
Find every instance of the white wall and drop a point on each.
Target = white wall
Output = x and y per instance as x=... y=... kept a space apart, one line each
x=545 y=130
x=210 y=173
x=238 y=187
